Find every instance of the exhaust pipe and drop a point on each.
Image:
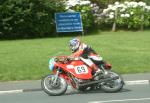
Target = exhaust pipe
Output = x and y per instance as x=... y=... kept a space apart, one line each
x=99 y=81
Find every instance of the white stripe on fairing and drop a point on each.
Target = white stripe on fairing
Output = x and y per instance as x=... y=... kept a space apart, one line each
x=11 y=91
x=96 y=58
x=123 y=100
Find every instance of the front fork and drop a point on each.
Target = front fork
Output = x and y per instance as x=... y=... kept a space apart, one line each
x=56 y=77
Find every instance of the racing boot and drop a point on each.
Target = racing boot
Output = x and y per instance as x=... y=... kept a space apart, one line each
x=97 y=73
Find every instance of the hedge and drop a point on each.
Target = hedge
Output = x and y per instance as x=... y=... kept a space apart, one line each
x=28 y=18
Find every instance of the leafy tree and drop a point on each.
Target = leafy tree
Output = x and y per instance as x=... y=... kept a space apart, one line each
x=28 y=18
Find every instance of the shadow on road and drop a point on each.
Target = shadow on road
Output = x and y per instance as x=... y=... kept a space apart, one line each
x=92 y=91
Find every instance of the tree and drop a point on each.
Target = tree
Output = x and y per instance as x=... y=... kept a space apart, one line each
x=28 y=18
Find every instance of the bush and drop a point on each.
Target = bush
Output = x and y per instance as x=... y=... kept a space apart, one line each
x=103 y=3
x=131 y=14
x=87 y=13
x=28 y=18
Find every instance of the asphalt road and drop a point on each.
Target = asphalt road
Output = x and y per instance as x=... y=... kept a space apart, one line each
x=130 y=94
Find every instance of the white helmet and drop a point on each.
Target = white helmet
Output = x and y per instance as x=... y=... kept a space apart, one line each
x=74 y=44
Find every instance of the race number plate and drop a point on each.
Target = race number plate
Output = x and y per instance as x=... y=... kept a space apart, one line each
x=82 y=69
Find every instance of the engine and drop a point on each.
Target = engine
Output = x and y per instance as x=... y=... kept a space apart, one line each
x=81 y=80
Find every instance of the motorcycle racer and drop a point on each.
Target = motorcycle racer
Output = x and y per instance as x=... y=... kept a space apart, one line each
x=84 y=70
x=86 y=54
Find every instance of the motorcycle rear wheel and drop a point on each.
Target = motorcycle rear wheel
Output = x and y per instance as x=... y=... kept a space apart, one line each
x=114 y=85
x=54 y=89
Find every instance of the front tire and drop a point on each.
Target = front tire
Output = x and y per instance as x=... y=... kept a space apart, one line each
x=54 y=89
x=113 y=85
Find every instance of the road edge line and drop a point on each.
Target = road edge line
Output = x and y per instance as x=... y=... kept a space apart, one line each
x=137 y=82
x=11 y=91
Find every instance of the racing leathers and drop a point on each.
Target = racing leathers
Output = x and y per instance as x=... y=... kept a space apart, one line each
x=88 y=56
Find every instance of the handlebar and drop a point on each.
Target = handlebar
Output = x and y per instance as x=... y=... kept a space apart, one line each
x=65 y=59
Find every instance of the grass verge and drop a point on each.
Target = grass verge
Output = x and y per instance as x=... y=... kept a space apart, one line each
x=128 y=52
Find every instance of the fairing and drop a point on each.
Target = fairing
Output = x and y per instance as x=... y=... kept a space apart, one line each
x=76 y=68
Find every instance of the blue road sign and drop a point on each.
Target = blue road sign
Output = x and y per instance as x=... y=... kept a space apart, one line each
x=68 y=22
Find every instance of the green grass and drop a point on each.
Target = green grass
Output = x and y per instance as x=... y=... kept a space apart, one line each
x=129 y=52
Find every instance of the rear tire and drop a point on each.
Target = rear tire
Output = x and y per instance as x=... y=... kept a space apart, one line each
x=54 y=90
x=114 y=85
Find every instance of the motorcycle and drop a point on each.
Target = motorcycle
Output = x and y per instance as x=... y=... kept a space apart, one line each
x=75 y=72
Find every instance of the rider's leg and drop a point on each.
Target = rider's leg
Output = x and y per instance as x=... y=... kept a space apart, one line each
x=90 y=63
x=99 y=60
x=96 y=58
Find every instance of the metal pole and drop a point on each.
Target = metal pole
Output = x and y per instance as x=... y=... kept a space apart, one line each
x=82 y=33
x=142 y=20
x=115 y=19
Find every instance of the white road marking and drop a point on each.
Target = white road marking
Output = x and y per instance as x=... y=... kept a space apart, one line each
x=123 y=100
x=11 y=91
x=21 y=91
x=137 y=82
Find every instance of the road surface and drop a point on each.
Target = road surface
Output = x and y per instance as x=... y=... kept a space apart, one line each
x=130 y=94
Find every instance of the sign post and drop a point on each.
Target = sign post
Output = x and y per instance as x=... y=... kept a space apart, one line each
x=68 y=22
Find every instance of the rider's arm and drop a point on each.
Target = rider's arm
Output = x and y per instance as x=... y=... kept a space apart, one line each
x=87 y=51
x=81 y=52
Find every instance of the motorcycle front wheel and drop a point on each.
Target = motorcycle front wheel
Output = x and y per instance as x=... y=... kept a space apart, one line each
x=51 y=88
